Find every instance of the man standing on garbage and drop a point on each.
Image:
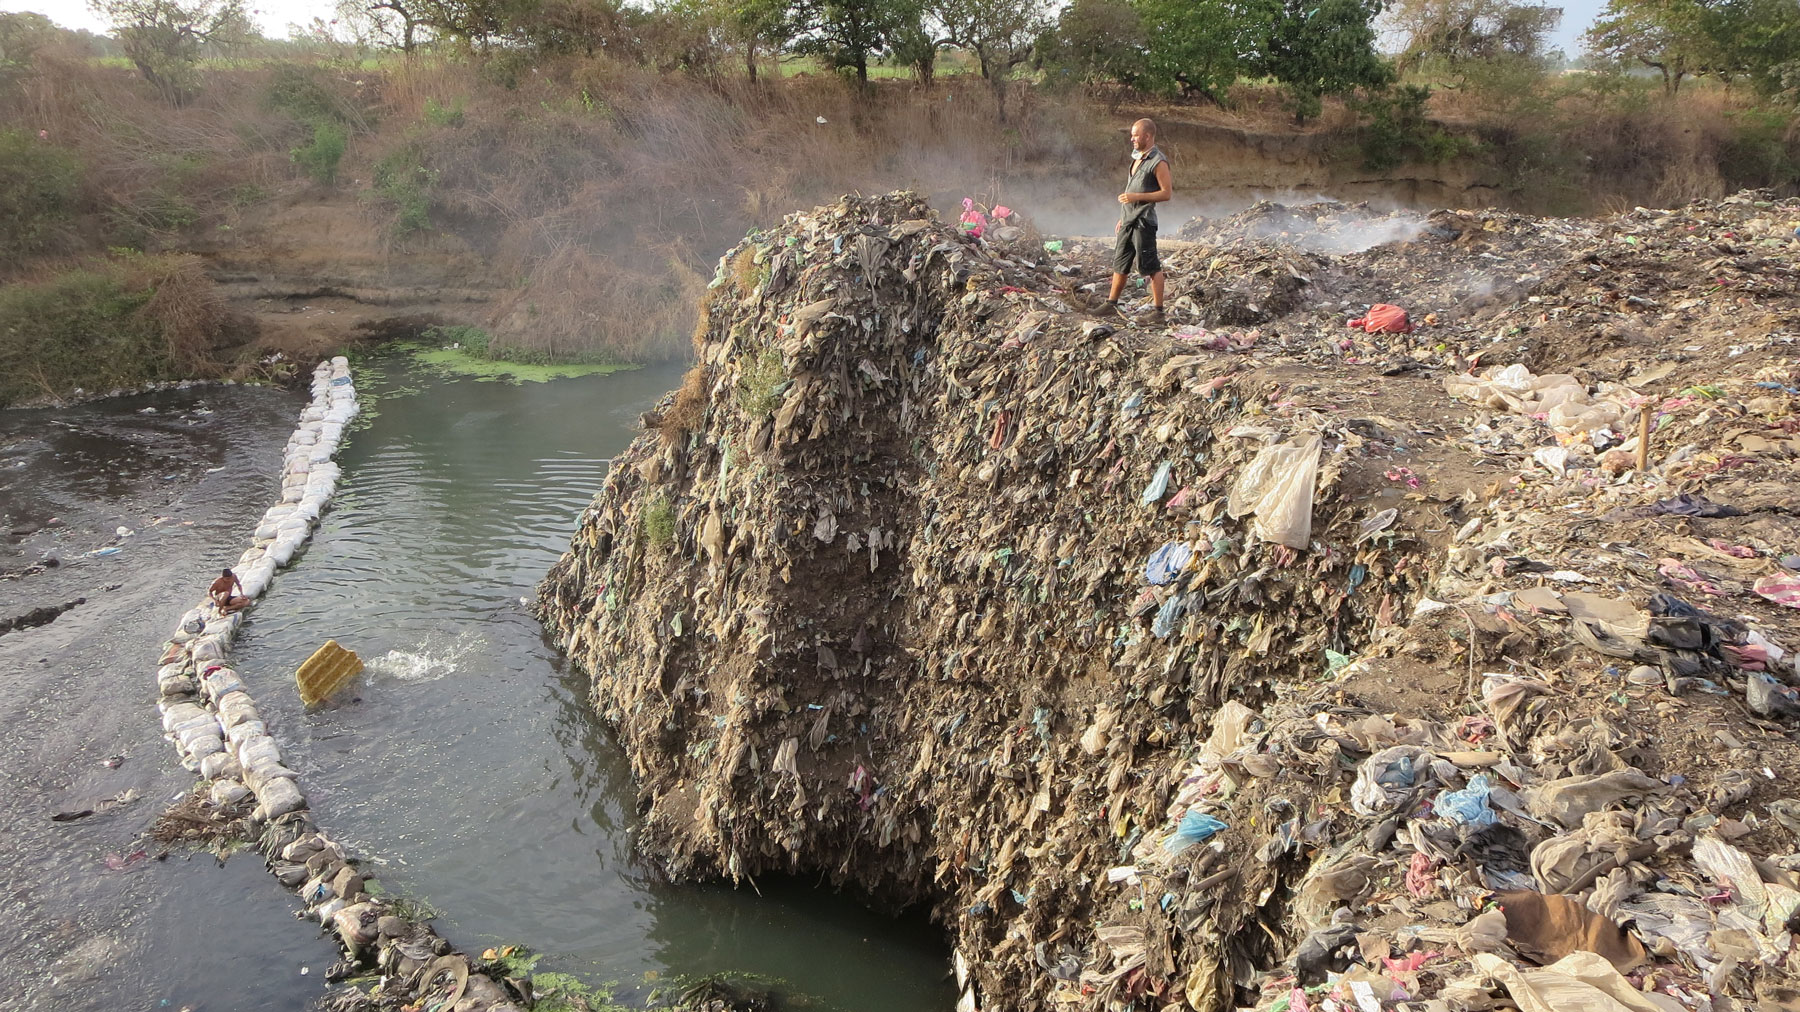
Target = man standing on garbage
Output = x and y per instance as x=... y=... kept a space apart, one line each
x=1145 y=186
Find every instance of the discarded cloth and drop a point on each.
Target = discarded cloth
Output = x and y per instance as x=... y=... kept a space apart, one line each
x=1469 y=806
x=1780 y=588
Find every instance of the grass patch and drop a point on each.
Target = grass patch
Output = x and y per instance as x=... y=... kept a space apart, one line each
x=461 y=362
x=464 y=350
x=39 y=188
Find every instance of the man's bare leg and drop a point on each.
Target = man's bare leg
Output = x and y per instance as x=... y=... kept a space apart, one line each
x=1156 y=288
x=1118 y=287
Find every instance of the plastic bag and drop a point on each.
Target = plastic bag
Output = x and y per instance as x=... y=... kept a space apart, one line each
x=1383 y=319
x=1168 y=617
x=1278 y=486
x=1159 y=485
x=1469 y=806
x=1385 y=778
x=1195 y=827
x=1167 y=561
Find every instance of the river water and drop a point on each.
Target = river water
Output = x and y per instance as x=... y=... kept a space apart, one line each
x=466 y=764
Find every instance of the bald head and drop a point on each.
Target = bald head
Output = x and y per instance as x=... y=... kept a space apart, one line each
x=1143 y=135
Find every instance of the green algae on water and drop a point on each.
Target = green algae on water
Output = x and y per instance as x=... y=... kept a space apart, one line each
x=459 y=362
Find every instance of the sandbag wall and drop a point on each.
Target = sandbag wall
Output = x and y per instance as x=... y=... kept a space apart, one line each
x=208 y=712
x=880 y=600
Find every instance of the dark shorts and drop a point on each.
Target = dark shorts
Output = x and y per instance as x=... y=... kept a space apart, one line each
x=1136 y=243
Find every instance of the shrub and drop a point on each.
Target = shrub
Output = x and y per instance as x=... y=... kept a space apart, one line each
x=1398 y=129
x=39 y=185
x=444 y=116
x=319 y=159
x=659 y=522
x=1759 y=150
x=505 y=67
x=689 y=409
x=302 y=93
x=112 y=323
x=405 y=182
x=760 y=386
x=472 y=339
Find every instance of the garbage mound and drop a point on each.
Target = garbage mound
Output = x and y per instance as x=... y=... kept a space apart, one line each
x=1209 y=665
x=1326 y=225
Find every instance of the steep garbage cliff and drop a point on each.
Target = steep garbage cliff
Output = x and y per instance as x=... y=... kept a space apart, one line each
x=1183 y=665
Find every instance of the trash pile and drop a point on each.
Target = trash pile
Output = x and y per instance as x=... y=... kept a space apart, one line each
x=1327 y=226
x=1188 y=665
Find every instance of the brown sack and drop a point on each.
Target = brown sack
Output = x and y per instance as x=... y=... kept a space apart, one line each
x=1547 y=927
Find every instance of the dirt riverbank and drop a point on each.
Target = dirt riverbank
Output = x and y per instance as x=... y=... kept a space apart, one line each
x=1179 y=663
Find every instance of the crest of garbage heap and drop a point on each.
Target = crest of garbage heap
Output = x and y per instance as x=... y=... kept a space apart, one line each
x=1248 y=660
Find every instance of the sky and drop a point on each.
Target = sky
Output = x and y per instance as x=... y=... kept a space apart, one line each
x=274 y=16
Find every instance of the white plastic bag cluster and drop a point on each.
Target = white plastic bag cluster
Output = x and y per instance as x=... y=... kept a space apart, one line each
x=1562 y=400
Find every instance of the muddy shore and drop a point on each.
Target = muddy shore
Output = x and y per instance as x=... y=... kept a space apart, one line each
x=1085 y=633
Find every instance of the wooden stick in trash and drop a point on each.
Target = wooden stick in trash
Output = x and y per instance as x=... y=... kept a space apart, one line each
x=1643 y=456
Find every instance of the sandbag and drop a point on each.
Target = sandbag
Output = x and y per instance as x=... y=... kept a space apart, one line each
x=258 y=750
x=219 y=765
x=280 y=796
x=227 y=792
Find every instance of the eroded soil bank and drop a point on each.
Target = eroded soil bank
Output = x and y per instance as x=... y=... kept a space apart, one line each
x=1186 y=662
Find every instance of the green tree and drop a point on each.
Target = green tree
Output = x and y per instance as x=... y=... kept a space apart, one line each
x=1756 y=39
x=848 y=34
x=586 y=27
x=1097 y=40
x=1001 y=34
x=388 y=24
x=915 y=43
x=1670 y=36
x=754 y=27
x=164 y=38
x=1199 y=47
x=1328 y=49
x=21 y=36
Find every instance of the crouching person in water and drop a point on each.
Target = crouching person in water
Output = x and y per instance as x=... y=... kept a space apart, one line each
x=1147 y=185
x=221 y=593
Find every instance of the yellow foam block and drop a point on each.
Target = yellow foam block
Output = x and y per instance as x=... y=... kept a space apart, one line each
x=325 y=672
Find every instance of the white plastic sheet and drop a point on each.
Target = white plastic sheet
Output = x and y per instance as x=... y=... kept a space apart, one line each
x=1277 y=486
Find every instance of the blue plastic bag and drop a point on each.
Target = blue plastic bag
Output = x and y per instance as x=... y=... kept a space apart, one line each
x=1167 y=561
x=1168 y=617
x=1195 y=827
x=1469 y=806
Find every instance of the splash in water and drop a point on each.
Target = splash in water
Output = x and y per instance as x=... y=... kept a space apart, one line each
x=429 y=660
